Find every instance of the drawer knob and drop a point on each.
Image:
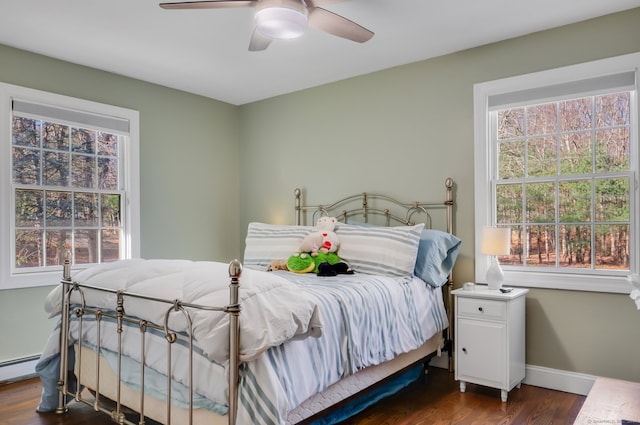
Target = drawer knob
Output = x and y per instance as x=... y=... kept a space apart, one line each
x=480 y=309
x=464 y=350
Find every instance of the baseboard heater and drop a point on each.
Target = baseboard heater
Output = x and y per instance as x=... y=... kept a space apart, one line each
x=19 y=369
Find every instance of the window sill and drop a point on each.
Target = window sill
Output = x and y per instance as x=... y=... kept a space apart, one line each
x=30 y=280
x=590 y=283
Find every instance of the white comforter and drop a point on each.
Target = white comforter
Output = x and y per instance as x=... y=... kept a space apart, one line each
x=273 y=309
x=366 y=321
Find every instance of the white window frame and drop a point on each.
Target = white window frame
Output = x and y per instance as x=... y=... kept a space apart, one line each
x=131 y=184
x=485 y=159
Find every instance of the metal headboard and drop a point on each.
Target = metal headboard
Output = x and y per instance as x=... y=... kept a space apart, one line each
x=365 y=205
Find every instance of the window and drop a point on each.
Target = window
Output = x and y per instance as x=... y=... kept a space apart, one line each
x=557 y=162
x=69 y=169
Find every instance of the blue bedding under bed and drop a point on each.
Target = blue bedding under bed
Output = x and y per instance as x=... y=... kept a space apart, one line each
x=359 y=404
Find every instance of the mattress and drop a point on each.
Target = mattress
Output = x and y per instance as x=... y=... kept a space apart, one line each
x=156 y=408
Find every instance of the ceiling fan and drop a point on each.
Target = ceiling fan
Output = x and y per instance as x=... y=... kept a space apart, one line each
x=281 y=19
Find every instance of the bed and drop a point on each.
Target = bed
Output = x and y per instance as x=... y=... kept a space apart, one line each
x=187 y=342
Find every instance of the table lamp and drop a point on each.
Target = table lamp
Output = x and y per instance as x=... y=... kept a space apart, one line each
x=495 y=241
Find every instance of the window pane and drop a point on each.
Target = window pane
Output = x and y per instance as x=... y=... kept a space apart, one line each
x=541 y=250
x=510 y=123
x=511 y=160
x=86 y=209
x=107 y=173
x=612 y=246
x=541 y=119
x=575 y=244
x=26 y=166
x=56 y=169
x=612 y=150
x=55 y=136
x=540 y=202
x=29 y=248
x=575 y=153
x=541 y=157
x=612 y=199
x=613 y=110
x=515 y=256
x=110 y=210
x=58 y=246
x=29 y=208
x=110 y=245
x=509 y=203
x=83 y=140
x=574 y=201
x=26 y=132
x=107 y=144
x=59 y=209
x=83 y=171
x=86 y=246
x=576 y=114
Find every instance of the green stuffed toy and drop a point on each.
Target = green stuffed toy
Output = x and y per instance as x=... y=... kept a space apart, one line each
x=301 y=262
x=323 y=264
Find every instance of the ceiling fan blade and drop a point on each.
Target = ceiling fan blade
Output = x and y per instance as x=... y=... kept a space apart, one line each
x=210 y=4
x=258 y=41
x=316 y=3
x=338 y=25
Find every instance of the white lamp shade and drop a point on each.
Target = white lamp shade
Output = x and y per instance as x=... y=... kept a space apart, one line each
x=496 y=240
x=281 y=22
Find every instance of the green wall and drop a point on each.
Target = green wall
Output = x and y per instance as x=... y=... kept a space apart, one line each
x=189 y=185
x=399 y=131
x=404 y=130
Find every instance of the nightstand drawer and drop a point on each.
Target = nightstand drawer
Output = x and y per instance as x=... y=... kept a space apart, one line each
x=481 y=308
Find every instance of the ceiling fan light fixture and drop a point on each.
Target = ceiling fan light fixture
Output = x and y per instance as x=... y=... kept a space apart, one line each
x=281 y=22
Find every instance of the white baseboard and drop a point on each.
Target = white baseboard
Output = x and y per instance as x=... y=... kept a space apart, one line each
x=14 y=371
x=560 y=380
x=553 y=379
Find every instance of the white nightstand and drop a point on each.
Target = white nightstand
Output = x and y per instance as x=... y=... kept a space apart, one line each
x=490 y=338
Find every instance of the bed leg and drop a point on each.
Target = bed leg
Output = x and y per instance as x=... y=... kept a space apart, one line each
x=425 y=372
x=235 y=270
x=64 y=338
x=450 y=335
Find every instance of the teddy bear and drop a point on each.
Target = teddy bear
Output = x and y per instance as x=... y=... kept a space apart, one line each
x=277 y=265
x=323 y=240
x=318 y=252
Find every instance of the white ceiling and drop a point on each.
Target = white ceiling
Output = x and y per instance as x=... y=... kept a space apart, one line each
x=205 y=51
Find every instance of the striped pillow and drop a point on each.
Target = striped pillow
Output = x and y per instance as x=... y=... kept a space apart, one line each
x=380 y=250
x=268 y=242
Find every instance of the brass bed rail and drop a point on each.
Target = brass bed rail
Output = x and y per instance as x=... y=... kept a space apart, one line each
x=69 y=287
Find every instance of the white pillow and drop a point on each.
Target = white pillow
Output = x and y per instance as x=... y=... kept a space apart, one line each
x=268 y=242
x=379 y=250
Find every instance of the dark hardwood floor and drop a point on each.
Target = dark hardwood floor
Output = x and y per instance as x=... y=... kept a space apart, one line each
x=436 y=402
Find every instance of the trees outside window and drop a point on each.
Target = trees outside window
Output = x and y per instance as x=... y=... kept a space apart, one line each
x=556 y=160
x=563 y=182
x=69 y=172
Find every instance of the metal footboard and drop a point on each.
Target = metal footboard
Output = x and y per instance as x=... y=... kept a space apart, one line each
x=119 y=315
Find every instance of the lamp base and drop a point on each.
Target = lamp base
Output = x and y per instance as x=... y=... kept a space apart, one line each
x=495 y=276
